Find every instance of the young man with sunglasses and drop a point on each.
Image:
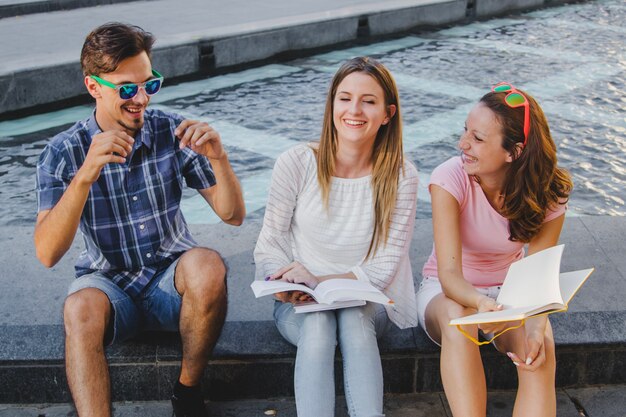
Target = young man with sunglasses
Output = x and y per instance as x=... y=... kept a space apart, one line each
x=118 y=176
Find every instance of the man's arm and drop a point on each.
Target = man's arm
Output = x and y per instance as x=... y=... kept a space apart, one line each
x=56 y=228
x=226 y=197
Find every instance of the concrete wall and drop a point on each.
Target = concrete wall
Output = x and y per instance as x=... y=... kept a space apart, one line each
x=20 y=8
x=484 y=8
x=236 y=50
x=40 y=85
x=33 y=87
x=405 y=19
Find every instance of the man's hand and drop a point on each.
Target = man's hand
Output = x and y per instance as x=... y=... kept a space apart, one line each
x=106 y=147
x=200 y=138
x=295 y=272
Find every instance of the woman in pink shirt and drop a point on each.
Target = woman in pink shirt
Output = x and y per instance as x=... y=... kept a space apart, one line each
x=504 y=191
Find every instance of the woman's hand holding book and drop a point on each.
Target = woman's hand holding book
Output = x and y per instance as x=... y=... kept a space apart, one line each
x=296 y=273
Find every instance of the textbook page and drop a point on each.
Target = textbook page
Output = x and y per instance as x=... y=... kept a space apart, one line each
x=327 y=292
x=313 y=306
x=261 y=288
x=571 y=282
x=510 y=314
x=533 y=280
x=334 y=290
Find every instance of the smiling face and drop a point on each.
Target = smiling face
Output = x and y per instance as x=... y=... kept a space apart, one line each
x=359 y=109
x=481 y=145
x=111 y=111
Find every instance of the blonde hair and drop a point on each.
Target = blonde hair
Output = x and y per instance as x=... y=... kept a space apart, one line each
x=387 y=154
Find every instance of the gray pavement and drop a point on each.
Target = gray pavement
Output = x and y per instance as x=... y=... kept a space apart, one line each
x=605 y=401
x=39 y=52
x=590 y=241
x=12 y=8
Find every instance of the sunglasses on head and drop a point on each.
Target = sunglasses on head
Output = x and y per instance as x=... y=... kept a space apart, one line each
x=515 y=99
x=130 y=90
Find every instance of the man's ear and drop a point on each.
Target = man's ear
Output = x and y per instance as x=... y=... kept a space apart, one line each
x=93 y=88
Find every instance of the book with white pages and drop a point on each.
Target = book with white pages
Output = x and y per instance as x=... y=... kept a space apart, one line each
x=533 y=286
x=328 y=295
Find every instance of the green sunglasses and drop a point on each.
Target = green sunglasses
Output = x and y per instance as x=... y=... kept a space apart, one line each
x=130 y=90
x=515 y=99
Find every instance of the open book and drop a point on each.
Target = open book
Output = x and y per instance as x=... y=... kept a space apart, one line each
x=328 y=295
x=533 y=286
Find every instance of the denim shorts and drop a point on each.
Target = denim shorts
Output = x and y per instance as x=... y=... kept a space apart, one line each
x=156 y=308
x=430 y=287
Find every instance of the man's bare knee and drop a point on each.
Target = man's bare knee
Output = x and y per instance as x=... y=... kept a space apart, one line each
x=86 y=312
x=202 y=273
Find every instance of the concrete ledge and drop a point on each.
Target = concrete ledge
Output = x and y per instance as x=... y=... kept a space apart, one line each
x=177 y=60
x=590 y=350
x=41 y=85
x=201 y=52
x=23 y=7
x=237 y=50
x=486 y=8
x=394 y=21
x=591 y=338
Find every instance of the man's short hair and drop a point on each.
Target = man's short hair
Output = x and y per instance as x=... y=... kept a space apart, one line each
x=107 y=45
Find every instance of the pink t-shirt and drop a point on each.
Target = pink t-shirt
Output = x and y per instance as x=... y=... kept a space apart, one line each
x=486 y=250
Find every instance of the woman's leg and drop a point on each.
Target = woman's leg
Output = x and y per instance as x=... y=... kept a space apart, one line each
x=461 y=366
x=536 y=393
x=362 y=370
x=315 y=336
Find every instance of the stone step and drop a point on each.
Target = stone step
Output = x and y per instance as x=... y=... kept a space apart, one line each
x=606 y=401
x=208 y=37
x=590 y=338
x=251 y=354
x=13 y=8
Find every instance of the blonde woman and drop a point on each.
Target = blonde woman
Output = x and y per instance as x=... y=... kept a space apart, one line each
x=343 y=208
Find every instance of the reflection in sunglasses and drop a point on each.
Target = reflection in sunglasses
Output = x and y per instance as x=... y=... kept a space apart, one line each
x=128 y=91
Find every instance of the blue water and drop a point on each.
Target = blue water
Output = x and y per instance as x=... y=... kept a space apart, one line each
x=571 y=59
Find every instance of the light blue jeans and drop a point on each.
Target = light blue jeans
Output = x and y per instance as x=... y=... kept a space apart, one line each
x=315 y=335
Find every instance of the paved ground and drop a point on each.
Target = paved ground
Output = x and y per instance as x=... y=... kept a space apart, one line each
x=232 y=32
x=590 y=241
x=606 y=401
x=51 y=38
x=196 y=36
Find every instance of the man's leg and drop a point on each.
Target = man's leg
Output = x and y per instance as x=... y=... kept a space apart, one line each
x=201 y=280
x=86 y=315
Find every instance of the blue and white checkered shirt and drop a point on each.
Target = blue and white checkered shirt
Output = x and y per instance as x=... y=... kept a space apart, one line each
x=131 y=223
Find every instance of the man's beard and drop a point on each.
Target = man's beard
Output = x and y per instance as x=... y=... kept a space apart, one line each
x=133 y=127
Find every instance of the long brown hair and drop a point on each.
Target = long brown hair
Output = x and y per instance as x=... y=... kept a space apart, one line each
x=534 y=183
x=387 y=154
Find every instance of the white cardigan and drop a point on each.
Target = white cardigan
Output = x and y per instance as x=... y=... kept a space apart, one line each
x=297 y=227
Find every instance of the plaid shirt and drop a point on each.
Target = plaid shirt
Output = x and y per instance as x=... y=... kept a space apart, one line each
x=131 y=223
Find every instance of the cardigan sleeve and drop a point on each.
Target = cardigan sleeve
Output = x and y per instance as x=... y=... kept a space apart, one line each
x=274 y=246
